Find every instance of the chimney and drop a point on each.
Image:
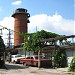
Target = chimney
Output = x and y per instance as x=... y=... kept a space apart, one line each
x=20 y=24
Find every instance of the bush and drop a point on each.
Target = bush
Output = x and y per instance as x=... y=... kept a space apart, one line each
x=60 y=58
x=72 y=65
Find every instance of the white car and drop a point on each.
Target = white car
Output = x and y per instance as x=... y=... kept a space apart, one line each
x=15 y=58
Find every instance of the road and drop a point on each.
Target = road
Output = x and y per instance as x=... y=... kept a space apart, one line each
x=19 y=69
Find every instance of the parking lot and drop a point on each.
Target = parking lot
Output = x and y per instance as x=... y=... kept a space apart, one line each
x=19 y=69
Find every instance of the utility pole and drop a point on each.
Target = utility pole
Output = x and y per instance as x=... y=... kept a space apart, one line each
x=9 y=35
x=9 y=39
x=0 y=31
x=36 y=28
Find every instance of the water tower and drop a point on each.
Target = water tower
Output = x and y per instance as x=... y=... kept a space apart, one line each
x=20 y=24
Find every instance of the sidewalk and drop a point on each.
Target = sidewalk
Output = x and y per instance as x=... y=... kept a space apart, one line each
x=58 y=70
x=19 y=69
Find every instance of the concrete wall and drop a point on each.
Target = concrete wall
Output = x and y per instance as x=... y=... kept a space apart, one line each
x=28 y=53
x=70 y=54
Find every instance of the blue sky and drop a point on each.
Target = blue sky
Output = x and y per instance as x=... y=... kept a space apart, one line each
x=56 y=15
x=49 y=7
x=51 y=15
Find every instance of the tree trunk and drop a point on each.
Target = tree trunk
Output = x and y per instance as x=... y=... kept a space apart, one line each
x=4 y=58
x=25 y=53
x=39 y=59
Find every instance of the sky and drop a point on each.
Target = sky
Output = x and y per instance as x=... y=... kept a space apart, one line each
x=51 y=15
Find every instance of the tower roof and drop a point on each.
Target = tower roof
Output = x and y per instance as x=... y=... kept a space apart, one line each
x=20 y=11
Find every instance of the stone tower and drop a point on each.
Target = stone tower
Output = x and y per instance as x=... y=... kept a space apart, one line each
x=20 y=24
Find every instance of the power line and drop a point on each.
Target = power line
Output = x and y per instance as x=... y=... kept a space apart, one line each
x=0 y=31
x=20 y=33
x=9 y=36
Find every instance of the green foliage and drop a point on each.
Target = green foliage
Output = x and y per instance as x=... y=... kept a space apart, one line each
x=32 y=41
x=44 y=34
x=72 y=65
x=27 y=42
x=60 y=58
x=2 y=46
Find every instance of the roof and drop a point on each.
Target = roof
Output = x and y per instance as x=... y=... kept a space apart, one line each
x=57 y=38
x=20 y=11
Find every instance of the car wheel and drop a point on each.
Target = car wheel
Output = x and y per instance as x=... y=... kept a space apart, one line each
x=14 y=62
x=24 y=64
x=36 y=65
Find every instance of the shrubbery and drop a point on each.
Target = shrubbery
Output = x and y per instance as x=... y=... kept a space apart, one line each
x=60 y=58
x=72 y=65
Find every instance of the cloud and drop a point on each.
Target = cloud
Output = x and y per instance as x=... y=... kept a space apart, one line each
x=55 y=23
x=18 y=2
x=7 y=22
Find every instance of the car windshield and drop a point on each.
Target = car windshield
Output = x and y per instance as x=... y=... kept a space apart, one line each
x=36 y=57
x=18 y=56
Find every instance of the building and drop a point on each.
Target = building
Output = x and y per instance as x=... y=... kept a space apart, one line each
x=20 y=24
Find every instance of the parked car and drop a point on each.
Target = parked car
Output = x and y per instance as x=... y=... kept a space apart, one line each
x=33 y=61
x=14 y=58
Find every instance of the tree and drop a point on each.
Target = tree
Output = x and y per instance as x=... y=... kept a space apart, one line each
x=2 y=52
x=72 y=65
x=2 y=46
x=32 y=41
x=60 y=58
